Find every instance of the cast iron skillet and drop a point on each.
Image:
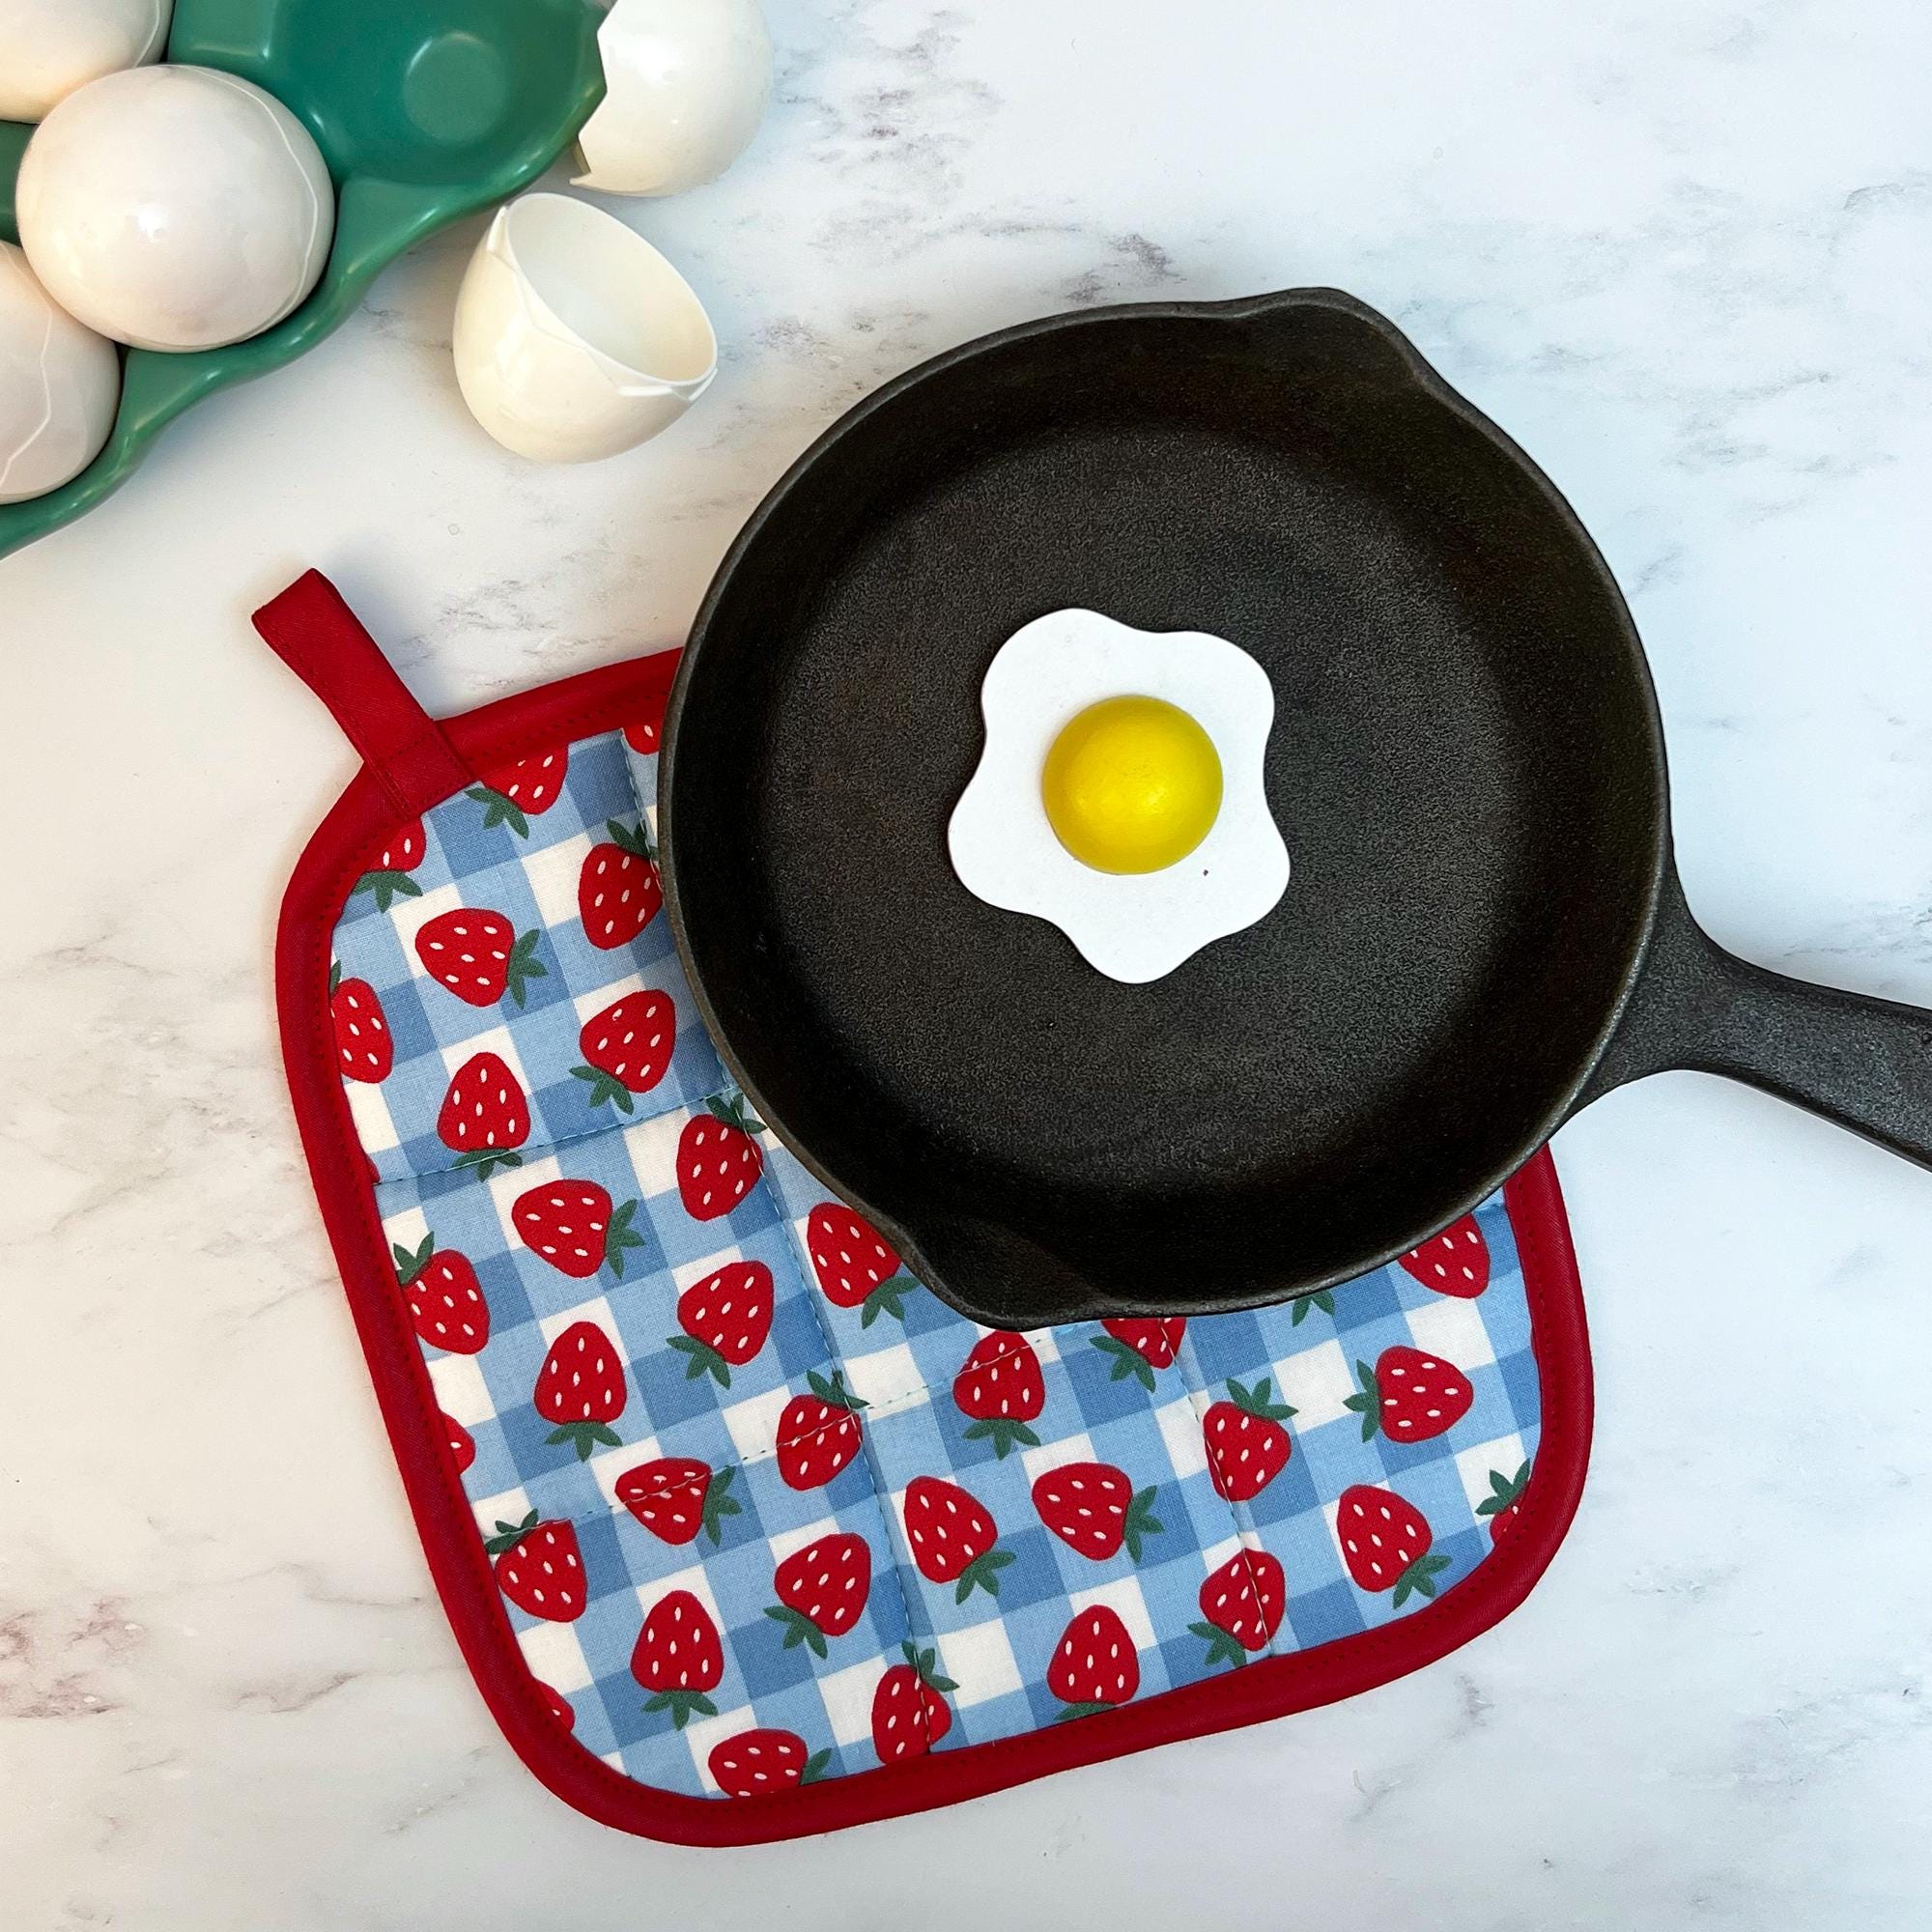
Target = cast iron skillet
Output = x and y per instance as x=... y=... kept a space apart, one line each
x=1484 y=930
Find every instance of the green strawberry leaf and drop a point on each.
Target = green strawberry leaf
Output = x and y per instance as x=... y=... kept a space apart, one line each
x=631 y=838
x=1505 y=1491
x=1222 y=1646
x=1126 y=1361
x=982 y=1573
x=886 y=1298
x=1081 y=1711
x=798 y=1628
x=717 y=1504
x=834 y=1393
x=705 y=1360
x=1368 y=1404
x=1420 y=1577
x=408 y=1265
x=605 y=1089
x=583 y=1434
x=500 y=810
x=483 y=1160
x=386 y=888
x=621 y=1235
x=925 y=1668
x=1003 y=1433
x=1141 y=1522
x=510 y=1534
x=815 y=1766
x=334 y=975
x=1259 y=1401
x=681 y=1704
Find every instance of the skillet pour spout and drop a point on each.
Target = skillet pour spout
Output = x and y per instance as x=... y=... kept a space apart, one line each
x=1483 y=929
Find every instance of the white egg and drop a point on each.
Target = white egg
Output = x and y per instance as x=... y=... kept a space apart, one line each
x=49 y=48
x=60 y=384
x=1133 y=926
x=174 y=208
x=686 y=85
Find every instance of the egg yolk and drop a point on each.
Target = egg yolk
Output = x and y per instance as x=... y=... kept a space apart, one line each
x=1132 y=785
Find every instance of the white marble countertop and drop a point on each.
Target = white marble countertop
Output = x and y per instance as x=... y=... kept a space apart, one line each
x=1681 y=249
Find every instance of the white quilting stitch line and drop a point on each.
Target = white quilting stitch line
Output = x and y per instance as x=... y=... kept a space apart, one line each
x=872 y=1470
x=620 y=1125
x=1194 y=1386
x=834 y=1359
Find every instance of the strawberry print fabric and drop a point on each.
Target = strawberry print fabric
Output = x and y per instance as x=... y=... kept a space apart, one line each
x=761 y=1508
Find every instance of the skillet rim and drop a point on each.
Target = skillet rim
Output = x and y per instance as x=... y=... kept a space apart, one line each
x=1421 y=375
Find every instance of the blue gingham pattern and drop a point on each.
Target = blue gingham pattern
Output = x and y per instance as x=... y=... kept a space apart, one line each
x=995 y=1650
x=531 y=879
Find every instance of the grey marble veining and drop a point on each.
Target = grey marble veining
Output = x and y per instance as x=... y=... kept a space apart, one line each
x=1682 y=250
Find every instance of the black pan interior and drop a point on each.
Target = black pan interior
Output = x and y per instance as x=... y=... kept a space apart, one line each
x=1464 y=767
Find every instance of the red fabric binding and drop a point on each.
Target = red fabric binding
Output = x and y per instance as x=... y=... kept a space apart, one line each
x=356 y=831
x=323 y=642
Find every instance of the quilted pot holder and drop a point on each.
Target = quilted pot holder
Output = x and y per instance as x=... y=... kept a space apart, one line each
x=745 y=1534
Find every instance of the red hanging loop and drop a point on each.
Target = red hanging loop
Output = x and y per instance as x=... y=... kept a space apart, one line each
x=320 y=638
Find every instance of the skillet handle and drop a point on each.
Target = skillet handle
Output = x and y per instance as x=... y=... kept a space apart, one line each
x=1864 y=1062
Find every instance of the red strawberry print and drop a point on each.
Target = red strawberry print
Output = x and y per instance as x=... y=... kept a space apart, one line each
x=910 y=1714
x=513 y=795
x=854 y=1266
x=581 y=1388
x=446 y=1306
x=678 y=1657
x=1503 y=1505
x=716 y=1159
x=558 y=1706
x=1385 y=1542
x=1000 y=1388
x=627 y=1048
x=1409 y=1395
x=462 y=1444
x=1138 y=1348
x=617 y=892
x=818 y=1433
x=388 y=879
x=1241 y=1606
x=1095 y=1663
x=642 y=735
x=954 y=1536
x=364 y=1045
x=540 y=1568
x=573 y=1226
x=754 y=1763
x=675 y=1496
x=1457 y=1261
x=1322 y=1298
x=1092 y=1508
x=726 y=1318
x=822 y=1590
x=478 y=956
x=1247 y=1447
x=485 y=1114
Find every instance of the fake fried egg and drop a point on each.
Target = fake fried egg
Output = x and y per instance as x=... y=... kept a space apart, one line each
x=1119 y=795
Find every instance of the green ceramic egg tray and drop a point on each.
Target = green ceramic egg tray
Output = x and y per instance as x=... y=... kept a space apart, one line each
x=425 y=110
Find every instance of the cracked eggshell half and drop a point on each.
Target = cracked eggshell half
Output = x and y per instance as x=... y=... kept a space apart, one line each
x=576 y=339
x=686 y=85
x=60 y=384
x=1132 y=926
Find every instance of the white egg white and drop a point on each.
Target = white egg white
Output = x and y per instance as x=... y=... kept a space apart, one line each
x=1132 y=926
